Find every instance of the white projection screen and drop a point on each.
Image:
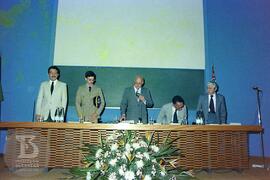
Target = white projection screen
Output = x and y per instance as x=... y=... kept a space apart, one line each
x=130 y=33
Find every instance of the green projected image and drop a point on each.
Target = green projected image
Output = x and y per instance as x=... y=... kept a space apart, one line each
x=128 y=33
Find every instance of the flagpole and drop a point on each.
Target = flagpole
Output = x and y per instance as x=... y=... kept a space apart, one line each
x=213 y=74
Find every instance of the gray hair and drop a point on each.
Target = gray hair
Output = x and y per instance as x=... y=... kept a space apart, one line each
x=211 y=83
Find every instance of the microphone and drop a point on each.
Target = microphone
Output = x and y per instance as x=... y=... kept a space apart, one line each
x=256 y=88
x=138 y=94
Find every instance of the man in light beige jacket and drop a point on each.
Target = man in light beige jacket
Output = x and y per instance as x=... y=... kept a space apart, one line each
x=52 y=95
x=89 y=100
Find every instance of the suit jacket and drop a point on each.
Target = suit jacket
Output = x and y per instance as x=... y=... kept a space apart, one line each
x=221 y=110
x=134 y=109
x=1 y=94
x=85 y=103
x=47 y=102
x=165 y=115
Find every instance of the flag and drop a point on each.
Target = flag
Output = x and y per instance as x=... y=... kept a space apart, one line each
x=213 y=74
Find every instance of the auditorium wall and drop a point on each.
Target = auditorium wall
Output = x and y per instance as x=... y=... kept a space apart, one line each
x=237 y=42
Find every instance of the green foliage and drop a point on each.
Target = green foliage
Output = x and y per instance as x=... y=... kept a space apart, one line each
x=127 y=155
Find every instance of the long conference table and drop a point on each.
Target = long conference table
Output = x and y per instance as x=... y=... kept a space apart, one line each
x=57 y=144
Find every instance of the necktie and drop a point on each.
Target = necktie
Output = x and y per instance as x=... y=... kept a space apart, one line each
x=175 y=120
x=211 y=106
x=89 y=89
x=137 y=95
x=52 y=87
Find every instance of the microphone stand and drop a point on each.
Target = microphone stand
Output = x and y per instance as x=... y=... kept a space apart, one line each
x=140 y=118
x=34 y=111
x=141 y=104
x=260 y=123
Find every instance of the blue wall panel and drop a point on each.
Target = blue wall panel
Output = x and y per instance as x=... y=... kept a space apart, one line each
x=237 y=41
x=26 y=45
x=238 y=44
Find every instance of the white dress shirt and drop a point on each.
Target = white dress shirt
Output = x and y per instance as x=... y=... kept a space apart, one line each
x=140 y=92
x=54 y=82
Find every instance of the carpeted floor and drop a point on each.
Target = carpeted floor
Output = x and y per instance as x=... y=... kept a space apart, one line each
x=58 y=174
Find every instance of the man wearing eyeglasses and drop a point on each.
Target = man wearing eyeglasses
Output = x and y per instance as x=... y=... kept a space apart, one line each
x=213 y=105
x=174 y=112
x=135 y=101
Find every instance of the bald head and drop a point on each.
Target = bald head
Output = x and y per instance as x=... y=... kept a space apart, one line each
x=138 y=81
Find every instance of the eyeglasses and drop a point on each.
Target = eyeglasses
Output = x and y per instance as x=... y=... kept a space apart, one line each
x=90 y=80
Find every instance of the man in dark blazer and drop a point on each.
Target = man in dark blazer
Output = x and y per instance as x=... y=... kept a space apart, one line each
x=213 y=105
x=135 y=101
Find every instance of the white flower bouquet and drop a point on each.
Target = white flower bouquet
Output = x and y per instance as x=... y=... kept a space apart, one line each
x=126 y=155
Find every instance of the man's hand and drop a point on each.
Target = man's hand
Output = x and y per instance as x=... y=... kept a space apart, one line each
x=141 y=98
x=81 y=118
x=122 y=118
x=94 y=116
x=38 y=118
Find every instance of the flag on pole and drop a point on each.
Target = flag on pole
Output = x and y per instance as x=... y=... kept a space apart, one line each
x=213 y=74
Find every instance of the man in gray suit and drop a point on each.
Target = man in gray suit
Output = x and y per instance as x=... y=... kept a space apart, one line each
x=52 y=95
x=135 y=101
x=174 y=112
x=213 y=105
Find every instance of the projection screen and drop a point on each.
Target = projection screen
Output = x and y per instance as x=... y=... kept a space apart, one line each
x=129 y=33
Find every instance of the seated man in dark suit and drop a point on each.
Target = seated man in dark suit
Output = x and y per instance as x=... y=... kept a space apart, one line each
x=213 y=105
x=135 y=101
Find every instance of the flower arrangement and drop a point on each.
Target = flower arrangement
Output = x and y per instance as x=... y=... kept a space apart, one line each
x=126 y=155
